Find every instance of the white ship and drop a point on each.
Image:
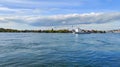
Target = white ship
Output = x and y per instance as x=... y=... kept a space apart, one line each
x=80 y=31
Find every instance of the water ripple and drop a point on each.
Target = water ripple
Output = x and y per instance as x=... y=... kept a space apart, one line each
x=59 y=50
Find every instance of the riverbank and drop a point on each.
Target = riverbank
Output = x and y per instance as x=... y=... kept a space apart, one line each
x=47 y=31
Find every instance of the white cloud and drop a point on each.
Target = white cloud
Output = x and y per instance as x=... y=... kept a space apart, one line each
x=61 y=20
x=71 y=19
x=11 y=11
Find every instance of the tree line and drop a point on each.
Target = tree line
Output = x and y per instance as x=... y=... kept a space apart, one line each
x=37 y=31
x=48 y=31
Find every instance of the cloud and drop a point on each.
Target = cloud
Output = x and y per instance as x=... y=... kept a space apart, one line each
x=31 y=4
x=53 y=7
x=74 y=19
x=40 y=13
x=85 y=21
x=59 y=20
x=12 y=11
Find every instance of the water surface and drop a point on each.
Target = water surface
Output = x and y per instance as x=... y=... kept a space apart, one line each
x=59 y=50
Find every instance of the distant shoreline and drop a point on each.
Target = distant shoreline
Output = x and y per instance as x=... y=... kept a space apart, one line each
x=45 y=31
x=3 y=30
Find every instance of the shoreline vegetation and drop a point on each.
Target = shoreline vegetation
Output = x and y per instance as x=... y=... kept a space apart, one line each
x=46 y=31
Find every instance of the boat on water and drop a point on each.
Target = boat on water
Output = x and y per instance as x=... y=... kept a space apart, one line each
x=80 y=31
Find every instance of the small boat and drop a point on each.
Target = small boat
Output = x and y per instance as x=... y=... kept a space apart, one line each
x=80 y=31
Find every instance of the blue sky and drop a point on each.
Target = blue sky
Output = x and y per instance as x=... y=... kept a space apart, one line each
x=44 y=14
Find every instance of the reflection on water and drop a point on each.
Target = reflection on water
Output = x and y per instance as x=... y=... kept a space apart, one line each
x=59 y=50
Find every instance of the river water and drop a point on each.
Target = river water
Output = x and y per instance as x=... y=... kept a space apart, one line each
x=59 y=50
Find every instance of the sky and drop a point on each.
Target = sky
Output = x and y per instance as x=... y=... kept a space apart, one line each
x=60 y=14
